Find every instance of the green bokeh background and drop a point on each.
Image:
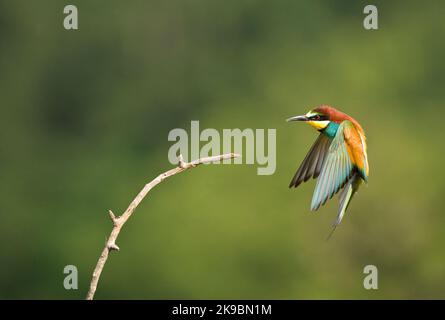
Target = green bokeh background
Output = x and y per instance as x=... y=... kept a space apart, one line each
x=85 y=120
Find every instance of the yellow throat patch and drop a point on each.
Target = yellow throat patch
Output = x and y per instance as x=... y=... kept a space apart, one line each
x=319 y=125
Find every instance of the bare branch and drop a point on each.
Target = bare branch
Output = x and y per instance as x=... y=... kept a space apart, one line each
x=118 y=222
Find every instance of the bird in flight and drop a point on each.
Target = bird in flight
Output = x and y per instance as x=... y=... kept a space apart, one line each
x=338 y=158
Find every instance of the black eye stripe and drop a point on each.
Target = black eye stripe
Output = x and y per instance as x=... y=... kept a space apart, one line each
x=318 y=117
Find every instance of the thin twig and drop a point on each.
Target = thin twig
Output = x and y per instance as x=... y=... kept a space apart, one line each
x=118 y=222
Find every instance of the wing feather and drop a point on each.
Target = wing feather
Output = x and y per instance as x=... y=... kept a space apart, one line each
x=313 y=162
x=337 y=167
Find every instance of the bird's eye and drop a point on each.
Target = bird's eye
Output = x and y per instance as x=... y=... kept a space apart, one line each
x=316 y=117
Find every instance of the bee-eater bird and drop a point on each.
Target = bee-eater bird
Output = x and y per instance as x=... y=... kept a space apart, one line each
x=338 y=158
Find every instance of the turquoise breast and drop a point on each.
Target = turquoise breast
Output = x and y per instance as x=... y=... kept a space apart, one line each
x=331 y=129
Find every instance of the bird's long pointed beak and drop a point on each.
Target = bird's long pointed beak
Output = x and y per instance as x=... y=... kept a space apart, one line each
x=297 y=118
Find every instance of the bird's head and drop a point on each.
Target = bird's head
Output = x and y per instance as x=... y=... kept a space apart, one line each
x=319 y=118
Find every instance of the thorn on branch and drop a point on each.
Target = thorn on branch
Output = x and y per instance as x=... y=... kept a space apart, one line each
x=113 y=217
x=181 y=162
x=112 y=246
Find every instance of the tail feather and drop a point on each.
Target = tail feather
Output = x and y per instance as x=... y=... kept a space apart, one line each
x=345 y=197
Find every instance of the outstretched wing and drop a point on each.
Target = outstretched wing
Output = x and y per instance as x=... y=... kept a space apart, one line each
x=313 y=162
x=339 y=165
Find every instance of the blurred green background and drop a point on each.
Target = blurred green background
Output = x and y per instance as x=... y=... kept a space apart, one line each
x=85 y=119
